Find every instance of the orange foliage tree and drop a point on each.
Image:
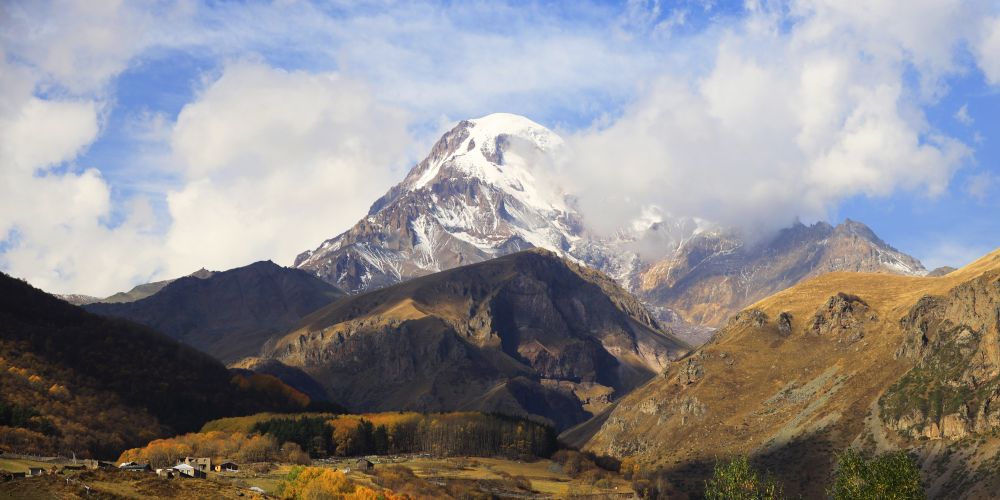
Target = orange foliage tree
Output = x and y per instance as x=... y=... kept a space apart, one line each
x=217 y=445
x=315 y=483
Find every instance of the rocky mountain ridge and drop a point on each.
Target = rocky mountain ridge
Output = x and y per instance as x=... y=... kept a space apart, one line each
x=137 y=292
x=229 y=314
x=713 y=275
x=525 y=334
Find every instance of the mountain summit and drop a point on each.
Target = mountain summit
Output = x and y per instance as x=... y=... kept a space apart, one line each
x=480 y=193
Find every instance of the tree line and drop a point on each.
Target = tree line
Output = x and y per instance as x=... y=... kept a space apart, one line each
x=441 y=434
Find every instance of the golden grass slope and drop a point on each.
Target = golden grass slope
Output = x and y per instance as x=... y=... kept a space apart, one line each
x=790 y=397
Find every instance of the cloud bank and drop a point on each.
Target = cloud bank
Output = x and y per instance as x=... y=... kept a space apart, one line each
x=272 y=159
x=304 y=114
x=786 y=122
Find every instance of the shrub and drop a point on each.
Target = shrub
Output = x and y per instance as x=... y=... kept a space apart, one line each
x=316 y=483
x=737 y=480
x=891 y=476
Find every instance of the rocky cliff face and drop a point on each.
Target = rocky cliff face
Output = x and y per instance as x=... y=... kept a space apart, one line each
x=229 y=314
x=526 y=334
x=954 y=389
x=876 y=362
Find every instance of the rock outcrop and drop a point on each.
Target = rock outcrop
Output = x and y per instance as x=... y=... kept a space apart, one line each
x=844 y=317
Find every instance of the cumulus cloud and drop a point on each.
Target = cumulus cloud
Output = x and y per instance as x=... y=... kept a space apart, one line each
x=54 y=222
x=275 y=161
x=74 y=44
x=55 y=228
x=987 y=49
x=785 y=123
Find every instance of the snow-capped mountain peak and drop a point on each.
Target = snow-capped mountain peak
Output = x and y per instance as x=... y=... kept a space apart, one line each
x=486 y=189
x=505 y=150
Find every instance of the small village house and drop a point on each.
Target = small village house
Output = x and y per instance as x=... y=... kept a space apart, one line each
x=363 y=465
x=227 y=466
x=36 y=471
x=190 y=471
x=167 y=473
x=203 y=464
x=96 y=464
x=135 y=467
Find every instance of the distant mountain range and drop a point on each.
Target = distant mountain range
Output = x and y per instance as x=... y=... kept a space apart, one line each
x=487 y=189
x=713 y=275
x=526 y=334
x=136 y=293
x=228 y=314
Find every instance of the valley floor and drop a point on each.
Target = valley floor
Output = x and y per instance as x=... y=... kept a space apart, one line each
x=499 y=478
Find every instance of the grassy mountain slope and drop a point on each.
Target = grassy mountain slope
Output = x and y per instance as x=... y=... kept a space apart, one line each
x=879 y=362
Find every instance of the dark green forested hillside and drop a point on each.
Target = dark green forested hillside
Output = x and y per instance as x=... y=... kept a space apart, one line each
x=76 y=382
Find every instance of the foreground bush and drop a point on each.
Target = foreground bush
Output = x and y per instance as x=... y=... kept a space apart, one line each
x=737 y=480
x=314 y=483
x=892 y=476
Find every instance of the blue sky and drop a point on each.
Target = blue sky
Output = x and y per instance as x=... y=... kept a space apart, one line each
x=143 y=141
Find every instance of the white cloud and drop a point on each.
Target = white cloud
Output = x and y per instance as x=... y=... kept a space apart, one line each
x=784 y=124
x=76 y=44
x=987 y=50
x=459 y=60
x=924 y=33
x=276 y=161
x=962 y=115
x=47 y=132
x=55 y=216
